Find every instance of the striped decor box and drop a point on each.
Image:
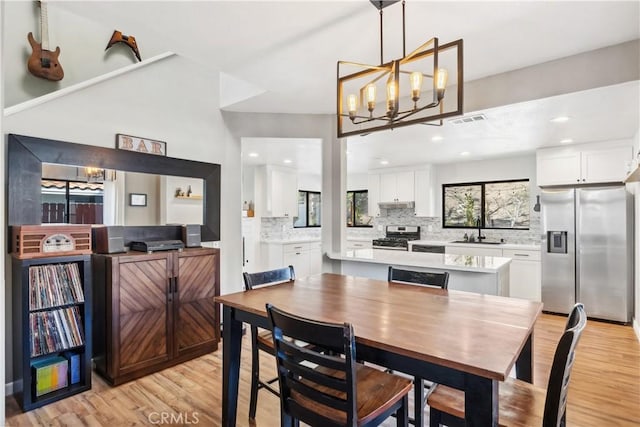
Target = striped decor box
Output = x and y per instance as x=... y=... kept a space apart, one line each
x=50 y=374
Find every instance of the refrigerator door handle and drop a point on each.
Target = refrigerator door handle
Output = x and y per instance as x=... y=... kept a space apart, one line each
x=578 y=232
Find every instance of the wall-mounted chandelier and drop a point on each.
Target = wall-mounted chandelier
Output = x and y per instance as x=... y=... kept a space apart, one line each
x=94 y=174
x=414 y=85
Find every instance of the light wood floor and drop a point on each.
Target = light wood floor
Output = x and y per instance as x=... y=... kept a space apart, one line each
x=604 y=391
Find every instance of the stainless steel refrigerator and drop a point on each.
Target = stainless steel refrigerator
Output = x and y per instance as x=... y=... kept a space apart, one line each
x=587 y=251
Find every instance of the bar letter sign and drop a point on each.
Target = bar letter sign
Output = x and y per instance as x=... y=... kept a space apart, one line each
x=141 y=145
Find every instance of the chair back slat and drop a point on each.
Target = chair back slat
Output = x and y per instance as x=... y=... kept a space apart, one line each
x=252 y=280
x=440 y=280
x=556 y=400
x=319 y=374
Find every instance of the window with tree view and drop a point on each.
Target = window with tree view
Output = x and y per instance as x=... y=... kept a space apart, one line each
x=309 y=209
x=358 y=209
x=499 y=204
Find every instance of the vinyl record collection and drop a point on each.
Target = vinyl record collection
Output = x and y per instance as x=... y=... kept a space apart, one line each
x=55 y=330
x=54 y=285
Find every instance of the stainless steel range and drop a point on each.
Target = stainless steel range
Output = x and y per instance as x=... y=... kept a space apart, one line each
x=397 y=237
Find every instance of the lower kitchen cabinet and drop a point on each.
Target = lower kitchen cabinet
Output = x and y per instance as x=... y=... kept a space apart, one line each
x=474 y=250
x=152 y=311
x=359 y=244
x=524 y=274
x=305 y=257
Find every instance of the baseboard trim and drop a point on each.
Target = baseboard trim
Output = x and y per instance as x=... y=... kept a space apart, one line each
x=12 y=388
x=636 y=328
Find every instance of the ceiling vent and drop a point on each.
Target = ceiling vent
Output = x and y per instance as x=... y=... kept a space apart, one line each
x=468 y=119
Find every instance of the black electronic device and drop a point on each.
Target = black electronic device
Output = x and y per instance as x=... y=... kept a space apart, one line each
x=109 y=239
x=156 y=245
x=191 y=235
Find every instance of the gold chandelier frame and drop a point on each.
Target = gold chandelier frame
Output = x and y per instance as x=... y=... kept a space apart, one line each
x=350 y=109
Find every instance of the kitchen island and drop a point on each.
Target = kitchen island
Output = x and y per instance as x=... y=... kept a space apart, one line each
x=481 y=274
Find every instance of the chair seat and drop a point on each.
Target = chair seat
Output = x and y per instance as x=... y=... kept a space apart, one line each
x=376 y=392
x=521 y=403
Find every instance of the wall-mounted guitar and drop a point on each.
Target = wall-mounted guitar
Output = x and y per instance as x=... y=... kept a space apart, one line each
x=43 y=62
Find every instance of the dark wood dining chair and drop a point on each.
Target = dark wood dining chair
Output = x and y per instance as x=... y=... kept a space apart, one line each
x=422 y=278
x=261 y=339
x=522 y=404
x=322 y=385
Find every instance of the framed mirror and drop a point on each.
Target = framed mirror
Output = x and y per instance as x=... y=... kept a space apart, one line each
x=26 y=155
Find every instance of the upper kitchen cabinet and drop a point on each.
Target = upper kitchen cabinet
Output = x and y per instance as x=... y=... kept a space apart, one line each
x=583 y=164
x=425 y=194
x=397 y=187
x=373 y=186
x=276 y=191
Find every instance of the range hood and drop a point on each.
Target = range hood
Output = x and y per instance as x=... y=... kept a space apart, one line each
x=397 y=205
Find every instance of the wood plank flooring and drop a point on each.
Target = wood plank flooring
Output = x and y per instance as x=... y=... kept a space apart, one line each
x=605 y=388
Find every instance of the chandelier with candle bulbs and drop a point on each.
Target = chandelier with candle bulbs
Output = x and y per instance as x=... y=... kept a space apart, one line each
x=359 y=110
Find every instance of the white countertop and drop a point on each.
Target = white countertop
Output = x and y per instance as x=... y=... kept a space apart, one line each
x=529 y=247
x=480 y=264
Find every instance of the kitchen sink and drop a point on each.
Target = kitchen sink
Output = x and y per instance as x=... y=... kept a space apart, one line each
x=478 y=242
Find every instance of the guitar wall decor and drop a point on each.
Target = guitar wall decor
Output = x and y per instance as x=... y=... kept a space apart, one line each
x=130 y=41
x=44 y=63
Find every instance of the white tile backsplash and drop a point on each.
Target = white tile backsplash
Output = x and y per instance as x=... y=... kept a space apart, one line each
x=281 y=228
x=431 y=228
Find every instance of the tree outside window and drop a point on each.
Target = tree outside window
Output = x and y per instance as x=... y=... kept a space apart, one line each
x=500 y=205
x=309 y=209
x=358 y=209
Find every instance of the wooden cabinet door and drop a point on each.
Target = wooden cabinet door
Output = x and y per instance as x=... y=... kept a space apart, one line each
x=142 y=330
x=195 y=313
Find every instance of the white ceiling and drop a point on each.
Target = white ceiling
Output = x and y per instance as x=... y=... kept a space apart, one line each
x=286 y=52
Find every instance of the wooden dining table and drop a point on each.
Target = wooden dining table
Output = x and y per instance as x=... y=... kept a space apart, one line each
x=464 y=340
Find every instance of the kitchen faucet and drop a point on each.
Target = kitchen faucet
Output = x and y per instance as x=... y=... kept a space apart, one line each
x=479 y=225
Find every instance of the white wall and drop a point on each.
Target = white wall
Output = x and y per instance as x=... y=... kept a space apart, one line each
x=171 y=100
x=82 y=45
x=181 y=211
x=635 y=188
x=309 y=182
x=357 y=181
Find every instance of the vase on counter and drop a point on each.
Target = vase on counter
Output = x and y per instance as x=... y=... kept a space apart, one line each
x=250 y=211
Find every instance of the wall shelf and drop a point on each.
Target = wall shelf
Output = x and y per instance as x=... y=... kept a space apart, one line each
x=192 y=197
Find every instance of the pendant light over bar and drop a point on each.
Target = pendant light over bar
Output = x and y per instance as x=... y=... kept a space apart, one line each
x=414 y=86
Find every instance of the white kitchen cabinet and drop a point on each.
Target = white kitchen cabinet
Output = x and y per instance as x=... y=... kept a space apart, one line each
x=315 y=258
x=473 y=249
x=359 y=244
x=305 y=257
x=276 y=191
x=585 y=164
x=605 y=165
x=524 y=274
x=373 y=193
x=397 y=186
x=425 y=196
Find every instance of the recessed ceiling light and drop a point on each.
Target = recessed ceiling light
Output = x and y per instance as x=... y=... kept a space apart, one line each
x=465 y=153
x=347 y=152
x=566 y=141
x=287 y=161
x=437 y=138
x=253 y=154
x=384 y=162
x=560 y=119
